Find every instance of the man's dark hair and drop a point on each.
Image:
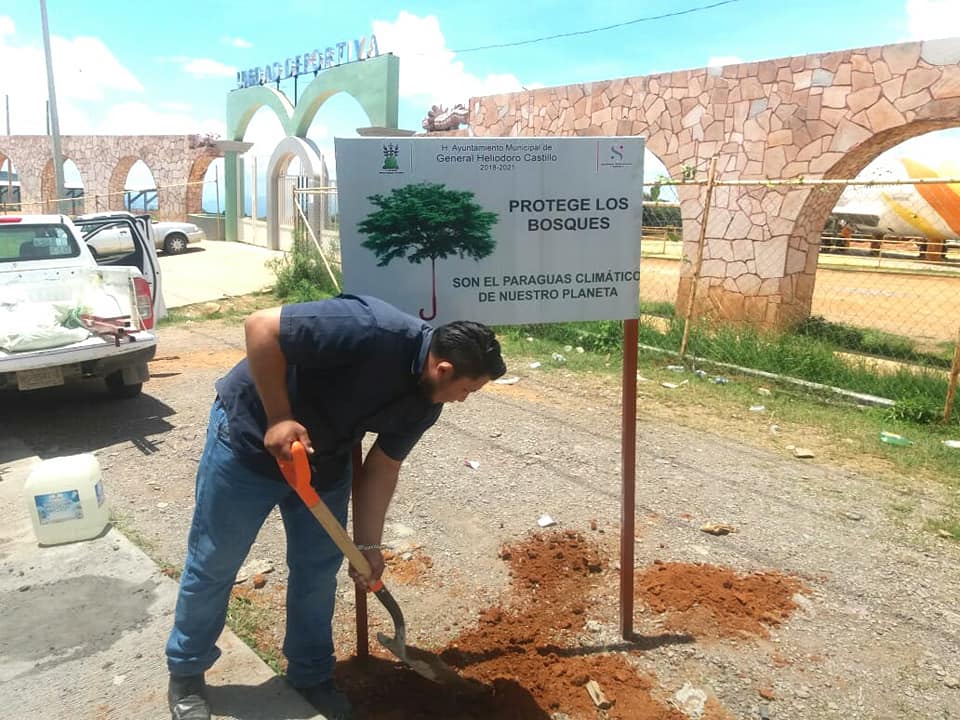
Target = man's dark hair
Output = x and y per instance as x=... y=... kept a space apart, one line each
x=470 y=347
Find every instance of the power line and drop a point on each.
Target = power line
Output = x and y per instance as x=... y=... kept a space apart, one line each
x=574 y=33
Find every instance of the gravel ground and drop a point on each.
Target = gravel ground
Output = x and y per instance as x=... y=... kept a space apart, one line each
x=878 y=636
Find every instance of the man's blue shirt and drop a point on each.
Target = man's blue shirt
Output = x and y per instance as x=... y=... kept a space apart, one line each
x=353 y=366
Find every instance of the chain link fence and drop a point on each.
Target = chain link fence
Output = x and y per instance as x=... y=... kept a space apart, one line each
x=888 y=257
x=880 y=284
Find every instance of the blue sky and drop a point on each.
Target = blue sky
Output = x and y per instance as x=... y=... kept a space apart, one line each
x=167 y=67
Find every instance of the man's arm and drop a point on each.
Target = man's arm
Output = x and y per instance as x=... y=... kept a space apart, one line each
x=372 y=494
x=268 y=366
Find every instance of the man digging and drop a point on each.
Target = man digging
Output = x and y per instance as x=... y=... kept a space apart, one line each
x=323 y=373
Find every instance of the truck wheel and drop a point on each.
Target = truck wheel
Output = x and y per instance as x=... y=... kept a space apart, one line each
x=175 y=243
x=116 y=387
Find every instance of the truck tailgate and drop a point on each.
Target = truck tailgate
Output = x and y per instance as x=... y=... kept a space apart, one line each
x=92 y=348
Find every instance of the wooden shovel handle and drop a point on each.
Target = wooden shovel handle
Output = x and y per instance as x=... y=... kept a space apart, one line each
x=297 y=473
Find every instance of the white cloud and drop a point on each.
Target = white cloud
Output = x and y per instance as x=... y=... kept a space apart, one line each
x=928 y=19
x=7 y=26
x=237 y=42
x=136 y=118
x=84 y=70
x=206 y=68
x=721 y=60
x=430 y=73
x=176 y=107
x=85 y=67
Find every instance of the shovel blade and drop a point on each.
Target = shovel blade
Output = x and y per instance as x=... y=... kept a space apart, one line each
x=430 y=666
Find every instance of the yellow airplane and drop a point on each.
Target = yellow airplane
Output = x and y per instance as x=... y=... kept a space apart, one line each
x=926 y=213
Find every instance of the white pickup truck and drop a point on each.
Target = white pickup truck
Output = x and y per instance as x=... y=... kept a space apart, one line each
x=66 y=318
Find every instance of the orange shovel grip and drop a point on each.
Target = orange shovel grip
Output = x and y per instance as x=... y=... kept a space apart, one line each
x=297 y=473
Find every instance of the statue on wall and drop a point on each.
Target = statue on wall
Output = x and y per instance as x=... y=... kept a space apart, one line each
x=439 y=118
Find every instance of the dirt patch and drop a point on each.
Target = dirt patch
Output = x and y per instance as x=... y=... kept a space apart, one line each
x=711 y=601
x=526 y=656
x=167 y=365
x=408 y=568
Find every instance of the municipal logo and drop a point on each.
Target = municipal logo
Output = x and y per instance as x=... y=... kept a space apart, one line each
x=612 y=155
x=391 y=159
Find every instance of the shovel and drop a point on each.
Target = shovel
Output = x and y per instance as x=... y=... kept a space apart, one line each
x=297 y=473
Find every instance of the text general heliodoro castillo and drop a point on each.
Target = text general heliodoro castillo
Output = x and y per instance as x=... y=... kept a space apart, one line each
x=553 y=215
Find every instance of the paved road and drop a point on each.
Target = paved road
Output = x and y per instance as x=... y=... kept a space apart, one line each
x=210 y=270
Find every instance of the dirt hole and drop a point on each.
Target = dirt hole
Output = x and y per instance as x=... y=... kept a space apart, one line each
x=527 y=654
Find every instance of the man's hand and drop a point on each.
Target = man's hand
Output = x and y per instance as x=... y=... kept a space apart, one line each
x=375 y=558
x=281 y=435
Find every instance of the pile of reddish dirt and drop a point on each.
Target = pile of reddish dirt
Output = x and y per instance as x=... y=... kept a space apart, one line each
x=406 y=568
x=525 y=659
x=712 y=601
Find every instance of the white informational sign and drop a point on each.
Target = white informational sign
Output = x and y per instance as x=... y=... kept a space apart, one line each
x=499 y=230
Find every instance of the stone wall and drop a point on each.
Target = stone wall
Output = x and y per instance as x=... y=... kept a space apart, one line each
x=104 y=161
x=813 y=116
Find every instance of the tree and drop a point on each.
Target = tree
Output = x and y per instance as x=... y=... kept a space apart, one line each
x=427 y=220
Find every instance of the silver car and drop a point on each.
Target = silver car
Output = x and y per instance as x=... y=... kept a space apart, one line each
x=170 y=236
x=173 y=237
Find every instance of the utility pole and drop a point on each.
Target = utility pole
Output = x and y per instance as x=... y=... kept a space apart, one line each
x=54 y=119
x=7 y=98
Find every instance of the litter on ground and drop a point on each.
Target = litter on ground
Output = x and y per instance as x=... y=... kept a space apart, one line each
x=894 y=439
x=546 y=521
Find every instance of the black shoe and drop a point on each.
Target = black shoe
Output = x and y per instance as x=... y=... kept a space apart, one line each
x=187 y=697
x=328 y=700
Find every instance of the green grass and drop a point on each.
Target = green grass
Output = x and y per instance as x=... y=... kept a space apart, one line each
x=874 y=342
x=660 y=309
x=248 y=620
x=919 y=391
x=946 y=527
x=301 y=274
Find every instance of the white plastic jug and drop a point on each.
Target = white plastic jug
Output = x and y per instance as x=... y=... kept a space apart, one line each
x=66 y=499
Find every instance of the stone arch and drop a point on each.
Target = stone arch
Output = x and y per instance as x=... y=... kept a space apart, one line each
x=7 y=189
x=198 y=170
x=312 y=166
x=48 y=186
x=116 y=189
x=75 y=206
x=812 y=215
x=815 y=204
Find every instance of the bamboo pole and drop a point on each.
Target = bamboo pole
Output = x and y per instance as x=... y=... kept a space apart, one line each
x=952 y=385
x=303 y=219
x=698 y=263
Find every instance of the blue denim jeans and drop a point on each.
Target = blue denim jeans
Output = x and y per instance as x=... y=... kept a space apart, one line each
x=232 y=502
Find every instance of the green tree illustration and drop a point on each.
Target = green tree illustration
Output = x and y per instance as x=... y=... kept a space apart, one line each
x=427 y=220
